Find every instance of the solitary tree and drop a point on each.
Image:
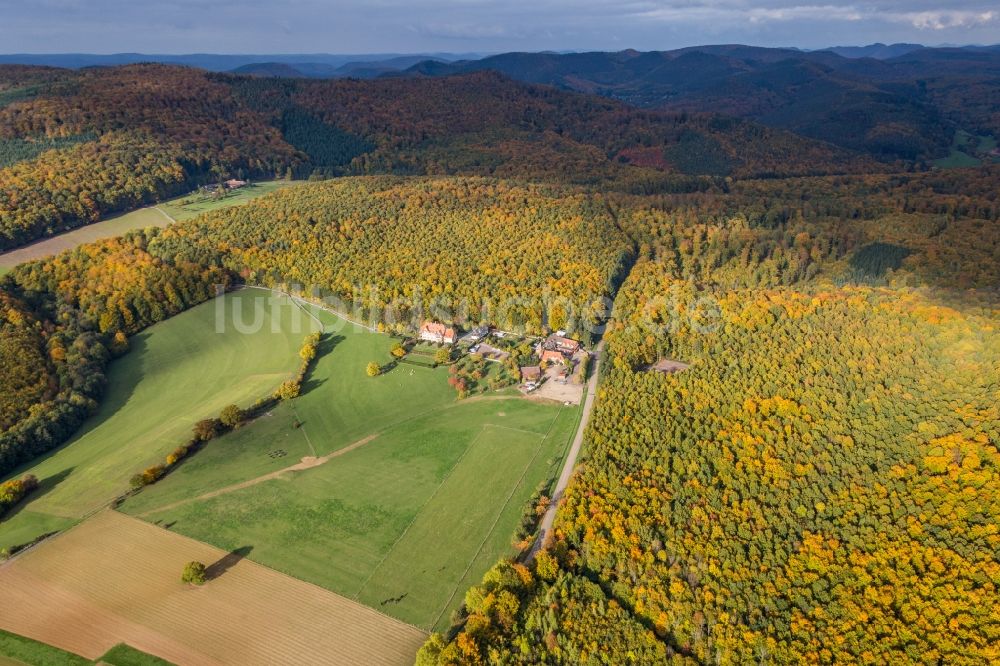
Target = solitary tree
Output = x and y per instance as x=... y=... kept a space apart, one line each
x=398 y=350
x=194 y=573
x=373 y=369
x=442 y=355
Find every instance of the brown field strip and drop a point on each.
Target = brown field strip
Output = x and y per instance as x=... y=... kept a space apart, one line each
x=116 y=579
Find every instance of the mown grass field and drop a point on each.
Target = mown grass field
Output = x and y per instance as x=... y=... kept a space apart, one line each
x=138 y=219
x=427 y=500
x=177 y=372
x=18 y=650
x=113 y=579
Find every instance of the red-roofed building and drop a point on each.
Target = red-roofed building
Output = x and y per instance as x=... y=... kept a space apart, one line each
x=434 y=332
x=556 y=349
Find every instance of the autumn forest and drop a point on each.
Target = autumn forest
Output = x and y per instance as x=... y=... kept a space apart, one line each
x=820 y=485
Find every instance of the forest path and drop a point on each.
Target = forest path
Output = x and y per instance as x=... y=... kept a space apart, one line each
x=574 y=451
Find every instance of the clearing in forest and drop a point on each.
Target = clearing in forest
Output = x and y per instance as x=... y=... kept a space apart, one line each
x=426 y=494
x=179 y=208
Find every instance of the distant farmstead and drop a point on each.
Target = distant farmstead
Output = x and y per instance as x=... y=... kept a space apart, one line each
x=435 y=332
x=233 y=184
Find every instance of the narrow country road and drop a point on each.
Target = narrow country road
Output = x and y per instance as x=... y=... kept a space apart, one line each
x=574 y=451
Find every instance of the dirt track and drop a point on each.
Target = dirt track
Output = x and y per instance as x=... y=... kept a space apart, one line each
x=117 y=579
x=306 y=463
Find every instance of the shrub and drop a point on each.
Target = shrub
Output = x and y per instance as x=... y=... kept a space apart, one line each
x=152 y=474
x=373 y=369
x=176 y=455
x=581 y=375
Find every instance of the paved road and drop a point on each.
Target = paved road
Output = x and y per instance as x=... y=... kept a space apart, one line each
x=574 y=452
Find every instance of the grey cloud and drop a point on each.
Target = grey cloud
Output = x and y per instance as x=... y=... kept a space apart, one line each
x=359 y=26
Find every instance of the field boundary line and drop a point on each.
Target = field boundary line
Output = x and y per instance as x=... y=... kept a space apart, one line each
x=302 y=427
x=543 y=435
x=301 y=301
x=420 y=510
x=255 y=563
x=503 y=507
x=164 y=214
x=322 y=326
x=450 y=405
x=337 y=314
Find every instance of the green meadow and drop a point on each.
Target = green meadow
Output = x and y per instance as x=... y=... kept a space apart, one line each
x=403 y=495
x=424 y=496
x=176 y=373
x=18 y=650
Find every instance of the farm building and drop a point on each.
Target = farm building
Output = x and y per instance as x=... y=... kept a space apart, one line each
x=436 y=332
x=557 y=348
x=552 y=356
x=479 y=332
x=476 y=335
x=233 y=184
x=531 y=374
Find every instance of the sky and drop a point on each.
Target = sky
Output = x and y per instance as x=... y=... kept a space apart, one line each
x=425 y=26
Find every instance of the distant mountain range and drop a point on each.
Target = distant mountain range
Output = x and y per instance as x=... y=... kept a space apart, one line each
x=877 y=51
x=900 y=101
x=357 y=69
x=310 y=64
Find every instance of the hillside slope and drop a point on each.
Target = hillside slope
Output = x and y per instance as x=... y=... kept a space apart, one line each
x=78 y=145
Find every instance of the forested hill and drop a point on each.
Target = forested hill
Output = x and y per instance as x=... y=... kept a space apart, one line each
x=906 y=106
x=76 y=145
x=820 y=485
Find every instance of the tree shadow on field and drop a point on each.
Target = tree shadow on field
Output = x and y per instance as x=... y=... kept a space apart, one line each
x=44 y=487
x=226 y=562
x=123 y=375
x=311 y=384
x=325 y=346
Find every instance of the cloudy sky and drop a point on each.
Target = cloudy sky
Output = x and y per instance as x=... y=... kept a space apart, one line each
x=406 y=26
